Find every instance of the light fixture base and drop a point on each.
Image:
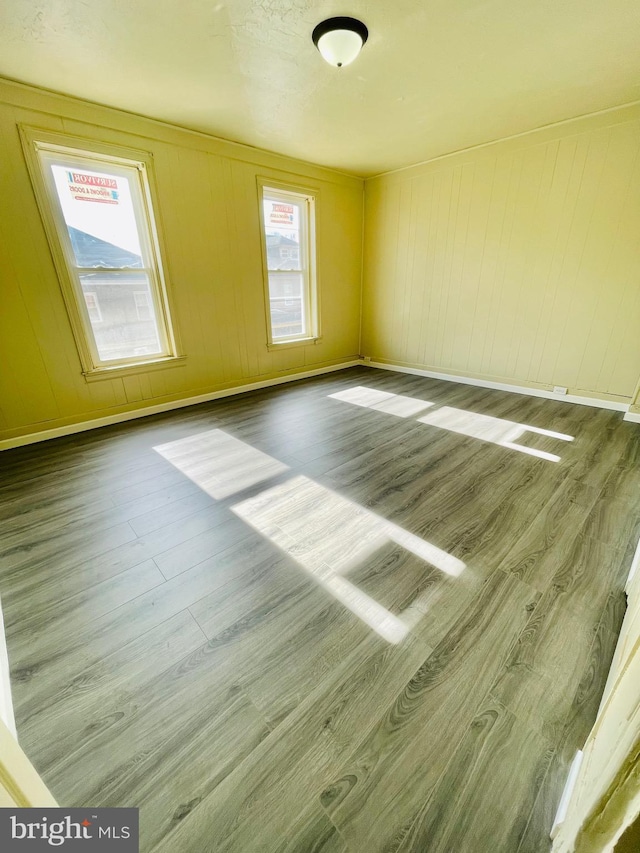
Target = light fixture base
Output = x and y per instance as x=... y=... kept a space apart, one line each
x=340 y=39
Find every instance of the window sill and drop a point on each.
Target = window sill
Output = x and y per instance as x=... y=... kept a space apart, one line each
x=299 y=342
x=118 y=370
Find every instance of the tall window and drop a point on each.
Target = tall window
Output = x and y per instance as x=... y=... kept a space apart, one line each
x=99 y=217
x=288 y=230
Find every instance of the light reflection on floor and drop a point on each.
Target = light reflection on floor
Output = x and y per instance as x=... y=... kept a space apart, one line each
x=219 y=463
x=498 y=431
x=326 y=534
x=382 y=401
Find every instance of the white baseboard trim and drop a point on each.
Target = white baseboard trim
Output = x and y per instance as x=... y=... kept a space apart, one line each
x=158 y=408
x=635 y=565
x=570 y=784
x=597 y=402
x=6 y=703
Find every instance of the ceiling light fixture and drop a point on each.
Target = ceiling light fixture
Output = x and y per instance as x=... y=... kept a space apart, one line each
x=340 y=40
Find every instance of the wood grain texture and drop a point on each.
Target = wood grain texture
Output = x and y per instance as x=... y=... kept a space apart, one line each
x=578 y=721
x=197 y=656
x=387 y=779
x=462 y=812
x=313 y=833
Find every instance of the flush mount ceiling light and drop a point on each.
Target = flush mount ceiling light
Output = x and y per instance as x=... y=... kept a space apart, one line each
x=340 y=40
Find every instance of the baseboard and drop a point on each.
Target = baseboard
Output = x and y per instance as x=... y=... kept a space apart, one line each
x=121 y=417
x=635 y=566
x=597 y=402
x=570 y=784
x=6 y=703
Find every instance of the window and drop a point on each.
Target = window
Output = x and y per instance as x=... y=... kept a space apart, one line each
x=97 y=210
x=288 y=232
x=93 y=307
x=144 y=308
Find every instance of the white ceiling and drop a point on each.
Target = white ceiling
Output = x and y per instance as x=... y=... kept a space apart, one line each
x=434 y=76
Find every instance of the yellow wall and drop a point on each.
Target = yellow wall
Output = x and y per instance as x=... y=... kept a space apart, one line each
x=516 y=262
x=208 y=215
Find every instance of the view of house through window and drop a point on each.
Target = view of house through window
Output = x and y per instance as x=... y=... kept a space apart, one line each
x=288 y=225
x=104 y=230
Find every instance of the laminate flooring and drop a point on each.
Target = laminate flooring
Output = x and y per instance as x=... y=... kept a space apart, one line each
x=365 y=612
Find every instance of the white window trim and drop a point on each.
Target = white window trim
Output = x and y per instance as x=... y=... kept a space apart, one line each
x=310 y=194
x=36 y=139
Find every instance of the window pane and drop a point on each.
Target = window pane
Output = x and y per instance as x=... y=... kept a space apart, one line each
x=99 y=214
x=144 y=308
x=288 y=238
x=127 y=325
x=282 y=231
x=93 y=306
x=286 y=304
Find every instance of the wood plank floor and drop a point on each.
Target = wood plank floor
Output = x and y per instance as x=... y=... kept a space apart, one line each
x=365 y=612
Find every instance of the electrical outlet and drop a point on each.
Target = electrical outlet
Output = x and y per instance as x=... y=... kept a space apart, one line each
x=559 y=389
x=367 y=358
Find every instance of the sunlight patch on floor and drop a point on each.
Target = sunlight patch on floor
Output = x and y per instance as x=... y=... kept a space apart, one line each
x=220 y=464
x=499 y=431
x=325 y=533
x=333 y=528
x=382 y=401
x=488 y=428
x=328 y=535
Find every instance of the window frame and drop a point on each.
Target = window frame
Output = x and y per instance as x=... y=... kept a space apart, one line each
x=97 y=156
x=308 y=195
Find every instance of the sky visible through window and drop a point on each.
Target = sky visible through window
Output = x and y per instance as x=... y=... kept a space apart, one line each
x=100 y=216
x=98 y=204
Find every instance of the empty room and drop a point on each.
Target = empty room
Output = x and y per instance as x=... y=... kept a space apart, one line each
x=320 y=426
